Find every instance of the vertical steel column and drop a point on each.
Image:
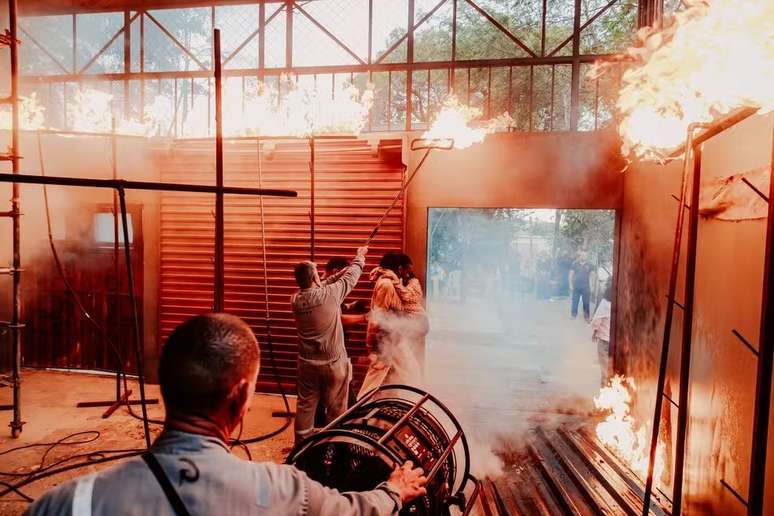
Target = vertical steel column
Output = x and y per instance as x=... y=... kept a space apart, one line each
x=116 y=265
x=760 y=434
x=543 y=29
x=289 y=33
x=650 y=13
x=450 y=88
x=370 y=33
x=135 y=316
x=127 y=60
x=410 y=65
x=219 y=237
x=311 y=198
x=261 y=39
x=142 y=66
x=575 y=84
x=16 y=325
x=685 y=351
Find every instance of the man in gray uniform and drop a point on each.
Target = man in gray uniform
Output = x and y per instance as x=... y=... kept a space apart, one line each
x=207 y=372
x=324 y=369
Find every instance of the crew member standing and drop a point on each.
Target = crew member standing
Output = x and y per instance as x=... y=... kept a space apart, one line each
x=324 y=369
x=580 y=285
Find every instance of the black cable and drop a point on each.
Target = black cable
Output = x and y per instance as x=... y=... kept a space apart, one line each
x=16 y=490
x=64 y=440
x=51 y=472
x=272 y=361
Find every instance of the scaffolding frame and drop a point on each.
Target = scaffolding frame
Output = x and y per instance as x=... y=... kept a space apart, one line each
x=10 y=38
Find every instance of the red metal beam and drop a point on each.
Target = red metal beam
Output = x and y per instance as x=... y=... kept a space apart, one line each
x=325 y=69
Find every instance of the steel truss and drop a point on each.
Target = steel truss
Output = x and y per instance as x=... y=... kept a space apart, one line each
x=275 y=14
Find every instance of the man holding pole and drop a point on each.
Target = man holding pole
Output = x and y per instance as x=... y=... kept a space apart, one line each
x=324 y=369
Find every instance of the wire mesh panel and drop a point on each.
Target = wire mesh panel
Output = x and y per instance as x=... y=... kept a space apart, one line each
x=100 y=49
x=238 y=26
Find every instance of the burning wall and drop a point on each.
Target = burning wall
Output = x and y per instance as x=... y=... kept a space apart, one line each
x=728 y=296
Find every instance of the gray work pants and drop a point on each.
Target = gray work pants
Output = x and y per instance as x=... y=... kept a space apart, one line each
x=327 y=384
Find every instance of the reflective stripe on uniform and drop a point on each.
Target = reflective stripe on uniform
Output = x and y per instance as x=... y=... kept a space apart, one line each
x=82 y=495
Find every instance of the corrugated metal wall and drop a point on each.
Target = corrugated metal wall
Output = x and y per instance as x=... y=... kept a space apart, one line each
x=353 y=184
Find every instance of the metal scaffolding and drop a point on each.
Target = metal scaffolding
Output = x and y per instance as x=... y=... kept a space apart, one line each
x=10 y=38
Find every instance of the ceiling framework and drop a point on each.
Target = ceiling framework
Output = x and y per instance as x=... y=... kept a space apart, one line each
x=488 y=57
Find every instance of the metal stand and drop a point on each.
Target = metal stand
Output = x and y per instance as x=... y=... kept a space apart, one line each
x=692 y=148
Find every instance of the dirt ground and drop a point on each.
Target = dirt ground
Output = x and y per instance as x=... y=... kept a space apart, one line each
x=48 y=407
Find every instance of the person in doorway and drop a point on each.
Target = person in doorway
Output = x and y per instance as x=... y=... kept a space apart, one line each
x=600 y=334
x=324 y=369
x=207 y=372
x=352 y=314
x=580 y=285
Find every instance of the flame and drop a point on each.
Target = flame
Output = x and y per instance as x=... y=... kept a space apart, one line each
x=454 y=123
x=712 y=58
x=300 y=110
x=620 y=432
x=31 y=114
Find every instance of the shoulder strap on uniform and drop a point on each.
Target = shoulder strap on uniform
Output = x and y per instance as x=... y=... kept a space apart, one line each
x=174 y=499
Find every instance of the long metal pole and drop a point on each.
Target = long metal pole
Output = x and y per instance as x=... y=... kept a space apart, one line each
x=140 y=185
x=16 y=326
x=135 y=316
x=311 y=198
x=219 y=227
x=765 y=365
x=397 y=197
x=116 y=265
x=685 y=351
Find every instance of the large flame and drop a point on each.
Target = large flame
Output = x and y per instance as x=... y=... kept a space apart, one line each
x=620 y=432
x=297 y=111
x=712 y=58
x=455 y=122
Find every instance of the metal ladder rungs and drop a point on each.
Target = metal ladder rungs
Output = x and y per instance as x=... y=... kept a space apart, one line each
x=8 y=157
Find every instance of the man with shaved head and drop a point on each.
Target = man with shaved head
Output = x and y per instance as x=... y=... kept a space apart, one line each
x=208 y=371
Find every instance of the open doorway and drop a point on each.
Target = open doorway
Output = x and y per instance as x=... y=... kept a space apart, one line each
x=519 y=302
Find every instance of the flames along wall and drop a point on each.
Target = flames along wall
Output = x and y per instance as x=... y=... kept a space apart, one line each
x=728 y=296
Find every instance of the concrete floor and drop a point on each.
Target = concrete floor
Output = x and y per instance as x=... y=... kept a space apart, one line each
x=49 y=400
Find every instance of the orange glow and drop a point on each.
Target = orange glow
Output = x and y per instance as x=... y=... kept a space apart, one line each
x=712 y=58
x=455 y=122
x=620 y=432
x=299 y=111
x=31 y=114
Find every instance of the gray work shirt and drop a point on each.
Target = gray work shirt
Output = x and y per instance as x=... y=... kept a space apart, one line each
x=210 y=481
x=317 y=311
